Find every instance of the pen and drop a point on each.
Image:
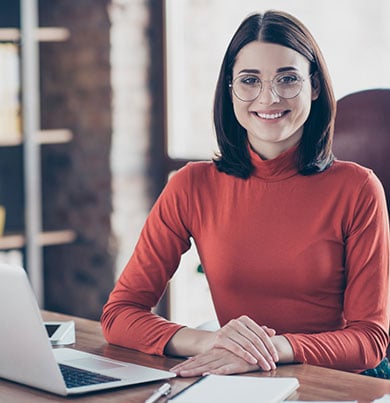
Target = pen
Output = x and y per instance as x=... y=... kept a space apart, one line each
x=160 y=392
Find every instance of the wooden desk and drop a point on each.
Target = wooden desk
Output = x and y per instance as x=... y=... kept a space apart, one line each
x=315 y=383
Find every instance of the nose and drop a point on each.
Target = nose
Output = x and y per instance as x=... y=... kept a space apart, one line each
x=267 y=94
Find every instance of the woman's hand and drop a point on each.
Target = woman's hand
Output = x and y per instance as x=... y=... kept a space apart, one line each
x=249 y=341
x=240 y=346
x=216 y=361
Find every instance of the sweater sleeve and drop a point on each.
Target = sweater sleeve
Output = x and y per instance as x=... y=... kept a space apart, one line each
x=127 y=318
x=363 y=341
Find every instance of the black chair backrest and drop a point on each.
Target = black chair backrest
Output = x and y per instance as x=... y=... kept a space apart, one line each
x=362 y=132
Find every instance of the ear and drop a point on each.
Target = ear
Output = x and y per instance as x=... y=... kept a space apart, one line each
x=315 y=87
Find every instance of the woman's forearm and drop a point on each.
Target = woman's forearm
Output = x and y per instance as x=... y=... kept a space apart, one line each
x=188 y=342
x=284 y=349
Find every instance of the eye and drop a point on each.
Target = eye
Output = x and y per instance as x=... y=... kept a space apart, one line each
x=288 y=79
x=249 y=80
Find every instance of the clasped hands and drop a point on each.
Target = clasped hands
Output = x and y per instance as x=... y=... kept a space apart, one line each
x=240 y=346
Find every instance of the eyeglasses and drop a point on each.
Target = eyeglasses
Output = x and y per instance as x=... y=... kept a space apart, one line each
x=247 y=87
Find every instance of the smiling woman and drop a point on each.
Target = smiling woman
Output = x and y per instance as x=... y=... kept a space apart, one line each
x=197 y=32
x=272 y=115
x=266 y=47
x=281 y=227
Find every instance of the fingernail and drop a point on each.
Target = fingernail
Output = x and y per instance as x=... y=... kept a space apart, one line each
x=267 y=367
x=253 y=360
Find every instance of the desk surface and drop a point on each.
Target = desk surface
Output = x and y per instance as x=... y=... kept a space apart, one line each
x=316 y=383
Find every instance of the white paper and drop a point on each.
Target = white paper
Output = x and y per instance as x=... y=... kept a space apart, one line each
x=233 y=389
x=383 y=399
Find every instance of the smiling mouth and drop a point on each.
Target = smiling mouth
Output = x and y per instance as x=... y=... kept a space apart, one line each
x=270 y=116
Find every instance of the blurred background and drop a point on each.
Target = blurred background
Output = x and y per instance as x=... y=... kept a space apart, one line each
x=100 y=100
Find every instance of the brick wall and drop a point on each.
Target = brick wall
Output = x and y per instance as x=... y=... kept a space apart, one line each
x=96 y=84
x=130 y=58
x=76 y=177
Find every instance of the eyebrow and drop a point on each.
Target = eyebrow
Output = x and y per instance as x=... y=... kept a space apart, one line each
x=279 y=70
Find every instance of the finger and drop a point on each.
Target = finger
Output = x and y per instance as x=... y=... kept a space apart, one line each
x=214 y=366
x=249 y=337
x=198 y=366
x=243 y=349
x=200 y=359
x=261 y=343
x=262 y=333
x=182 y=364
x=197 y=371
x=230 y=369
x=217 y=361
x=269 y=331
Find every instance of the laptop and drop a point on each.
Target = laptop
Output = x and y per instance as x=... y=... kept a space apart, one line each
x=27 y=357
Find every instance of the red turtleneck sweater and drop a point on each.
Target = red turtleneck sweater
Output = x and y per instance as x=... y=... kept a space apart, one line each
x=305 y=255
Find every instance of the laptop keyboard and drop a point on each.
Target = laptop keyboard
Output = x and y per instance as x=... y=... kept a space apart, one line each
x=75 y=377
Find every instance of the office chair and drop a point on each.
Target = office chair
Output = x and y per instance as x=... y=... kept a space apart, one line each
x=362 y=134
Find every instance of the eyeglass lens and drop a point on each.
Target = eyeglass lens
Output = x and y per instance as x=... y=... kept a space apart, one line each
x=286 y=85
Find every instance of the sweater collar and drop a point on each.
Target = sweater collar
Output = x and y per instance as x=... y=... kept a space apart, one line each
x=281 y=167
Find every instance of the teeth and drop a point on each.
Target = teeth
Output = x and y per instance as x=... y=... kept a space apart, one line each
x=270 y=115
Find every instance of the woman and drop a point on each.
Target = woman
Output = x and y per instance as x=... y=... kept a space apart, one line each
x=294 y=244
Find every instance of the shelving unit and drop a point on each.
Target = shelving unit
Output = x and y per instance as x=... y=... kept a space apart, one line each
x=32 y=238
x=57 y=136
x=48 y=238
x=49 y=34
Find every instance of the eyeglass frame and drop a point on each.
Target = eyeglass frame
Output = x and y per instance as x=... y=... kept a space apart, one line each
x=261 y=86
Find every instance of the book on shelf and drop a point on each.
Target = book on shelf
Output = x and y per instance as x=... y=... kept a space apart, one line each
x=10 y=119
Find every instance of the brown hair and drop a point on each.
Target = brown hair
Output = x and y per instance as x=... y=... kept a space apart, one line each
x=315 y=149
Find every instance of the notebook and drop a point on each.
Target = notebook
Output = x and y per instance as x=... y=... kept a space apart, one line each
x=233 y=389
x=26 y=355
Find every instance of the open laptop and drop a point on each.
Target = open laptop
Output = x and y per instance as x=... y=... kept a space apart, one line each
x=26 y=355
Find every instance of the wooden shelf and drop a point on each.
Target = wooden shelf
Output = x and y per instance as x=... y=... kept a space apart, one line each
x=56 y=136
x=47 y=238
x=48 y=34
x=12 y=140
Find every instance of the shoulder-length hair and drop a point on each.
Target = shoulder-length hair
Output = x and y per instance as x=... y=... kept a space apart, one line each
x=314 y=152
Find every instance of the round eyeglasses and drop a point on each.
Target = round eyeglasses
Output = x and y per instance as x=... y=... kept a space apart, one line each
x=247 y=87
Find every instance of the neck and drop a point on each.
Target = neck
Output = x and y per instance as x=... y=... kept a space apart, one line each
x=268 y=149
x=269 y=153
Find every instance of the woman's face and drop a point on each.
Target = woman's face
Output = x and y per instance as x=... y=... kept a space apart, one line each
x=274 y=124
